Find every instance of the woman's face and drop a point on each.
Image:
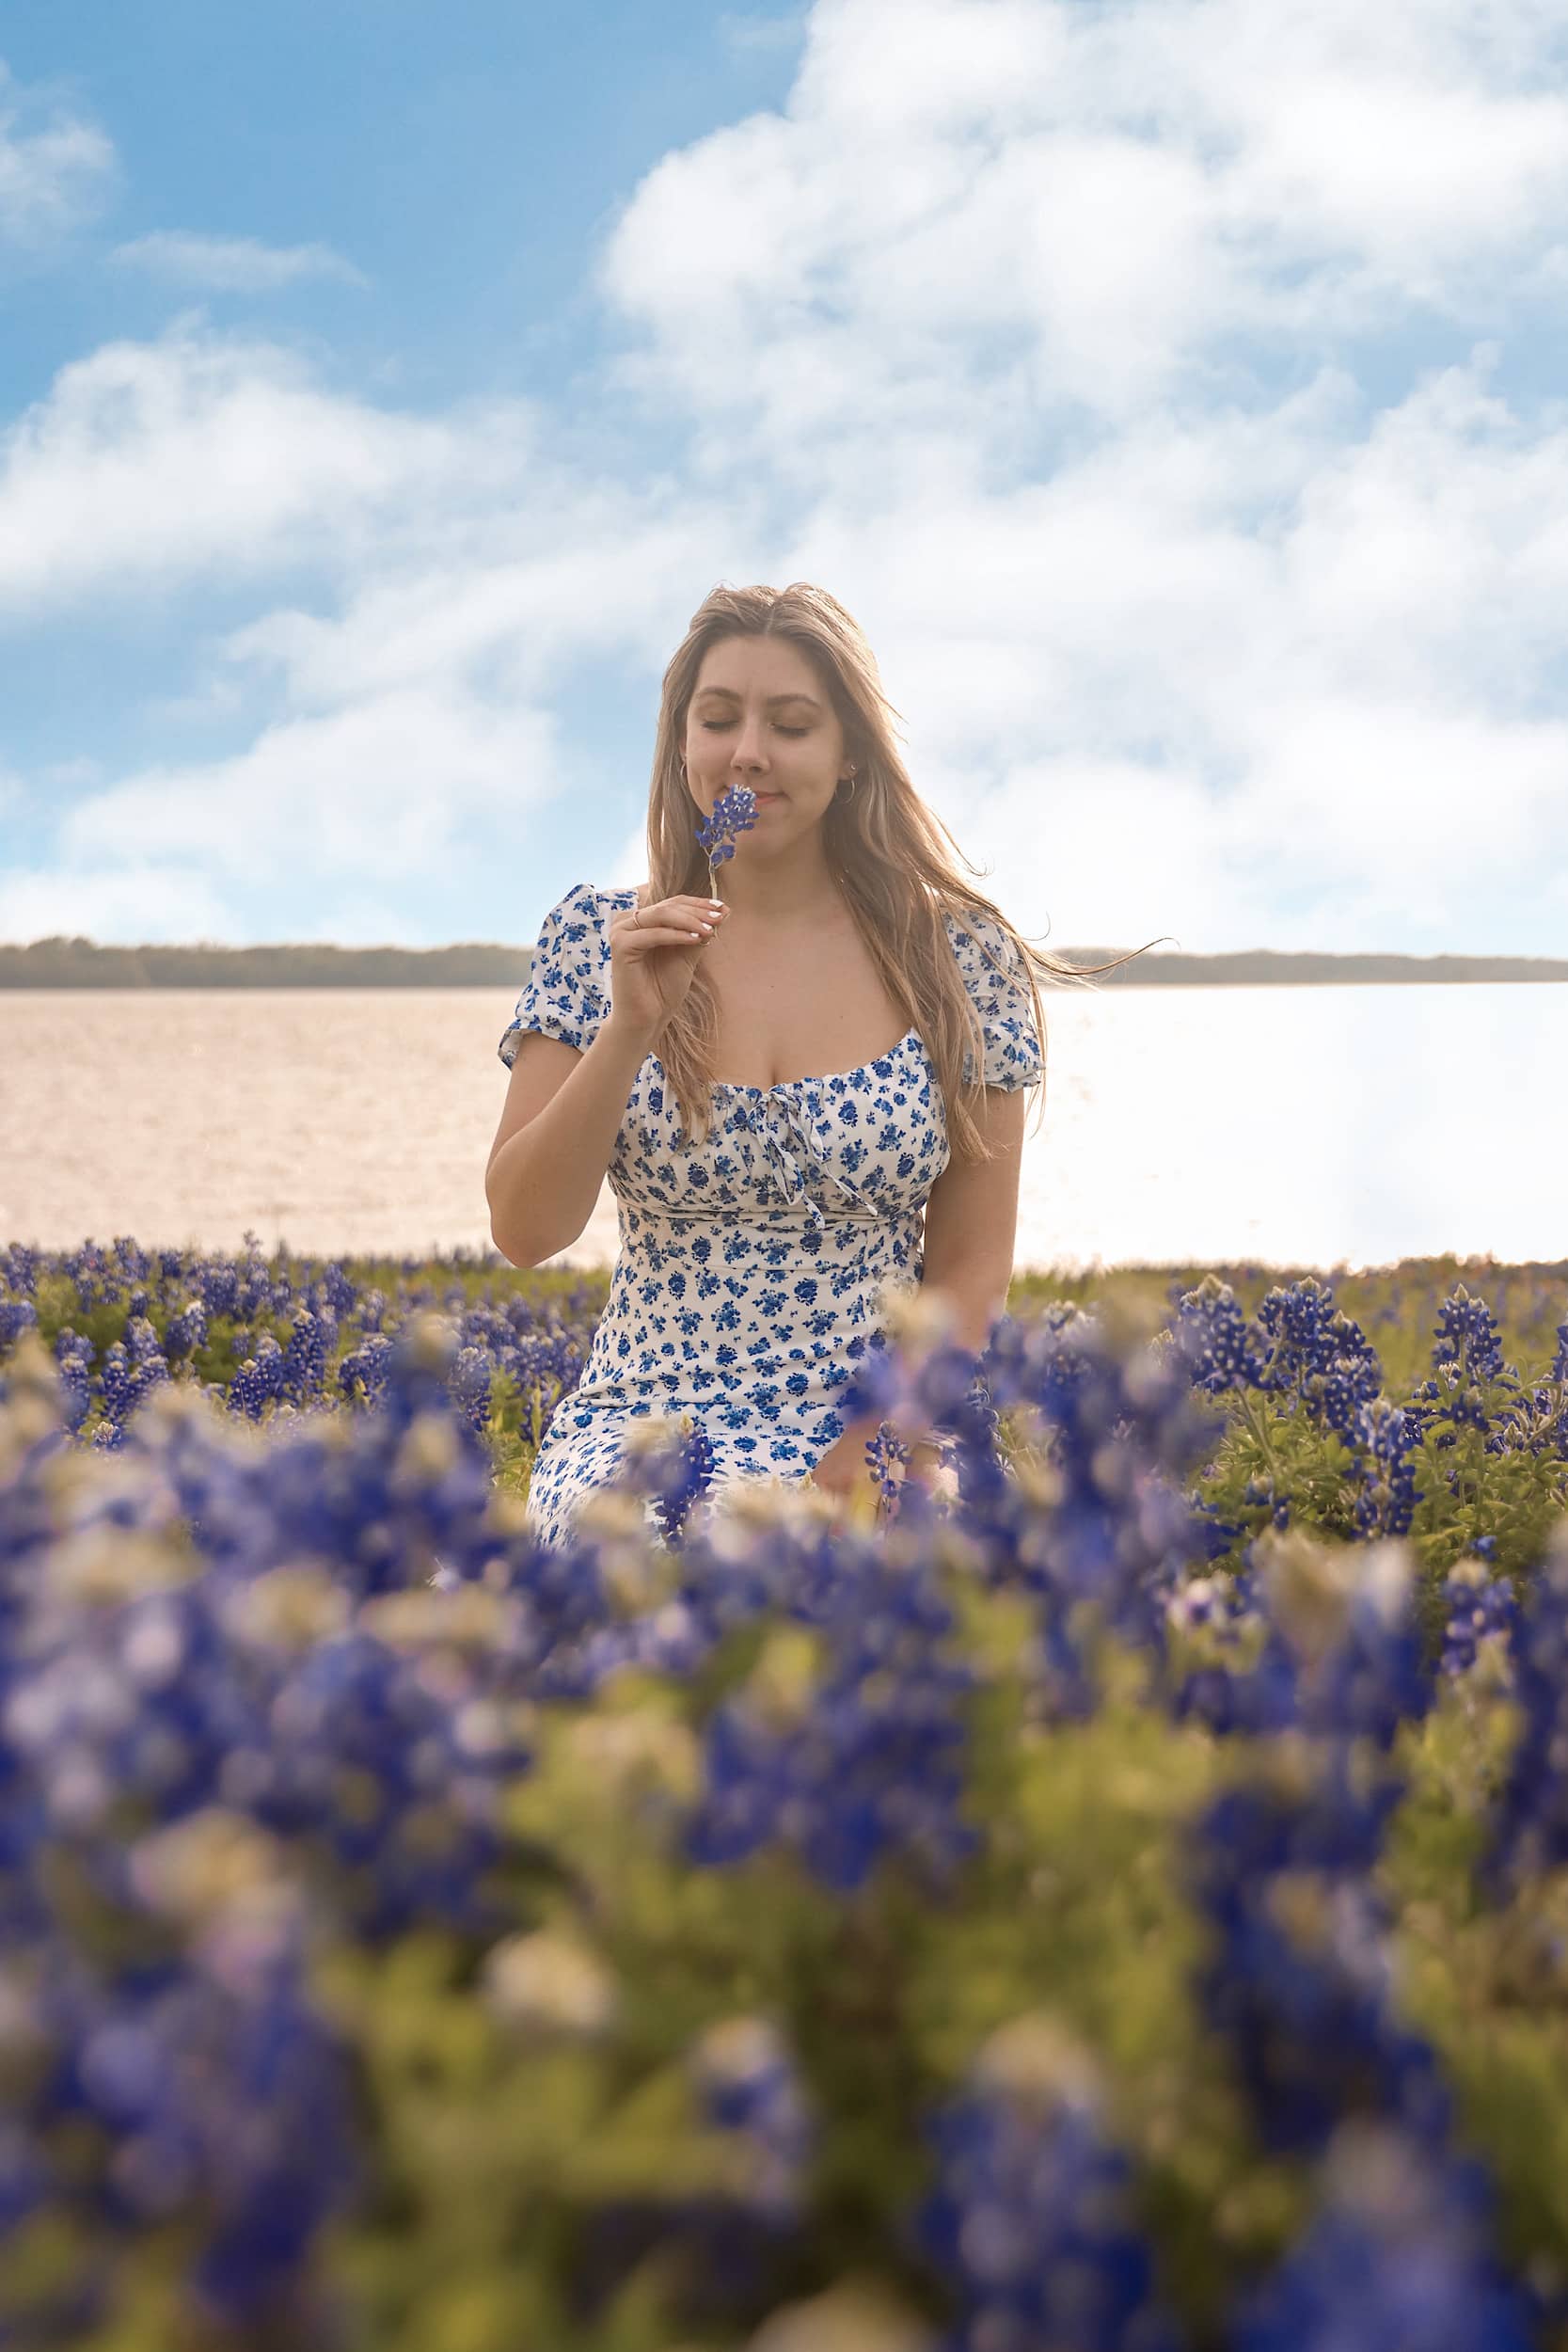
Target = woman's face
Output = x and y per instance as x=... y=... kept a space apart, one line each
x=760 y=716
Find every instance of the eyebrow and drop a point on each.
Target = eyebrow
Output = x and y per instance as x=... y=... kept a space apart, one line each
x=773 y=702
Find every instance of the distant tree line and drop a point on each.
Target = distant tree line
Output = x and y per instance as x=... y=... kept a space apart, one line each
x=60 y=963
x=82 y=964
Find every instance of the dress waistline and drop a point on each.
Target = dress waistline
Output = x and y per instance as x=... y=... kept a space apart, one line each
x=793 y=1217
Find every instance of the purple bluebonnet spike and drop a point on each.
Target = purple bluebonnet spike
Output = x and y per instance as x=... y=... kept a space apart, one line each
x=735 y=811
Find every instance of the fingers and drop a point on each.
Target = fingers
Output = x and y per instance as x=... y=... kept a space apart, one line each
x=682 y=910
x=671 y=922
x=666 y=935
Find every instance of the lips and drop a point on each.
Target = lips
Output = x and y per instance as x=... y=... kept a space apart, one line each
x=766 y=800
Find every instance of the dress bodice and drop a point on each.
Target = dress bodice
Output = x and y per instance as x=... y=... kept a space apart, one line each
x=755 y=1266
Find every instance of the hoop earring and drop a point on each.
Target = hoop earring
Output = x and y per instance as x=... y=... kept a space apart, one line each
x=849 y=780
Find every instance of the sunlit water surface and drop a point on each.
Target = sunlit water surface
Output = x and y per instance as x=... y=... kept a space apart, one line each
x=1315 y=1126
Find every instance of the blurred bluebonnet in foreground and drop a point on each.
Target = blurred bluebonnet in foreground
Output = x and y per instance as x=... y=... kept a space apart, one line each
x=1399 y=2254
x=282 y=1677
x=1031 y=2219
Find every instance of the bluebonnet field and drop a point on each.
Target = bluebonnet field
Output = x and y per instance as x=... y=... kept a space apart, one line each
x=1119 y=1905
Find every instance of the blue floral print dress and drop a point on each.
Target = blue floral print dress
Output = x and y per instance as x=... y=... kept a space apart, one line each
x=752 y=1266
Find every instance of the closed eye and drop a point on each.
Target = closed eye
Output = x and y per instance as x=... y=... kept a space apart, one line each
x=714 y=725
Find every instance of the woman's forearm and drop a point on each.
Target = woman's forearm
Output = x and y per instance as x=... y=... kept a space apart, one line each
x=975 y=1303
x=542 y=1183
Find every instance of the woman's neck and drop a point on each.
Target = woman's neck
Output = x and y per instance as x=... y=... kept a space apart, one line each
x=783 y=890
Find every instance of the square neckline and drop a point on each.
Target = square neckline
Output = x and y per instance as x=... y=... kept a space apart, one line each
x=780 y=1085
x=826 y=1077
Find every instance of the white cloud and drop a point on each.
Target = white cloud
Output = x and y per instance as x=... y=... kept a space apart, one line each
x=1140 y=376
x=126 y=906
x=513 y=597
x=382 y=790
x=998 y=309
x=410 y=719
x=231 y=264
x=51 y=178
x=201 y=454
x=1073 y=208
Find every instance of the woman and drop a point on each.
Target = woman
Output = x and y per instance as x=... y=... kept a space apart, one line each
x=808 y=1095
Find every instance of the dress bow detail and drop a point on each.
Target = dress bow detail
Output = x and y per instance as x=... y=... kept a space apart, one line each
x=793 y=1144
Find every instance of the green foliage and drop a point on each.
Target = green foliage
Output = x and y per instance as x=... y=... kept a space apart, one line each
x=1397 y=1306
x=512 y=2089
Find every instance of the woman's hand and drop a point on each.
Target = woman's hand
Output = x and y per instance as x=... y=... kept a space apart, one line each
x=653 y=954
x=844 y=1471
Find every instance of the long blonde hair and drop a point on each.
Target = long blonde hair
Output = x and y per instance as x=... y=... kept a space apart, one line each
x=885 y=845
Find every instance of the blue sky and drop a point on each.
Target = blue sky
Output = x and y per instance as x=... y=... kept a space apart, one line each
x=1171 y=388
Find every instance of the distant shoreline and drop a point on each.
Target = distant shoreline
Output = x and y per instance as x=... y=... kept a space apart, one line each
x=63 y=964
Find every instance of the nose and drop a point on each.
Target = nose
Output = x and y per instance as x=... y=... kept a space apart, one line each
x=750 y=750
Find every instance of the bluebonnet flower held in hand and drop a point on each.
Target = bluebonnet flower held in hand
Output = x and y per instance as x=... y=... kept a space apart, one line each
x=734 y=812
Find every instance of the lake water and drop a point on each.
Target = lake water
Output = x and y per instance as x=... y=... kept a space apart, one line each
x=1313 y=1126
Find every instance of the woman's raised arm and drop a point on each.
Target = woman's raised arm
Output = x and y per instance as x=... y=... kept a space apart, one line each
x=563 y=1108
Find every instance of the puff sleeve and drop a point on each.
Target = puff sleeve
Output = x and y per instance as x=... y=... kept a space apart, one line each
x=1014 y=1051
x=564 y=995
